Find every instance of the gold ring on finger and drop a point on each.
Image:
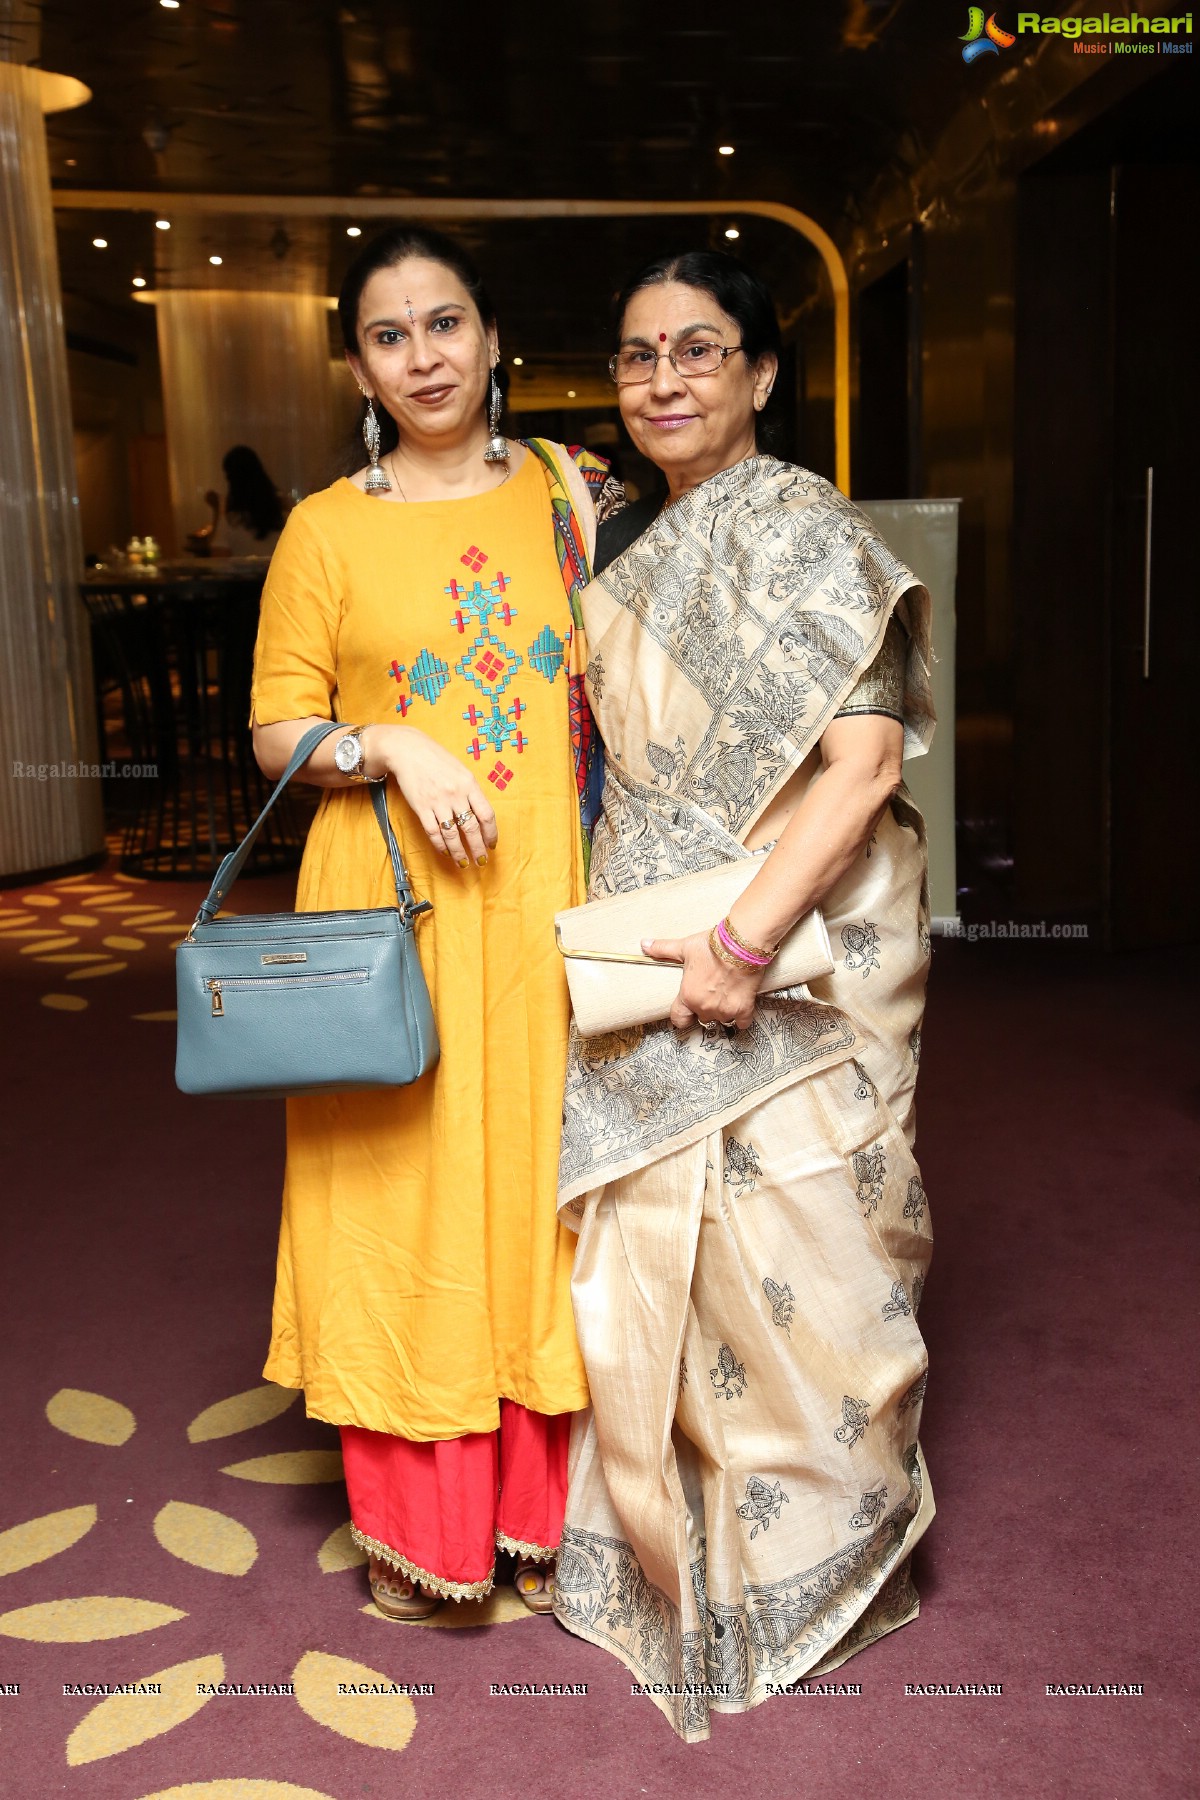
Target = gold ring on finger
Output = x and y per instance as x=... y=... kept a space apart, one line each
x=446 y=824
x=464 y=818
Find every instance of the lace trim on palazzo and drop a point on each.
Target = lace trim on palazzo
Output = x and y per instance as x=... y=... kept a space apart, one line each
x=449 y=1590
x=532 y=1552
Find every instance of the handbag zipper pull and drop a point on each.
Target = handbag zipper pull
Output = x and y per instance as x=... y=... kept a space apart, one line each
x=218 y=1002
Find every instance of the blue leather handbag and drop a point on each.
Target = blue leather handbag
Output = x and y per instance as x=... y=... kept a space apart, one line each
x=303 y=1003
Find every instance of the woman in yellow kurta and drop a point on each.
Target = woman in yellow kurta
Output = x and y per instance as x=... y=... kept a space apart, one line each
x=423 y=1286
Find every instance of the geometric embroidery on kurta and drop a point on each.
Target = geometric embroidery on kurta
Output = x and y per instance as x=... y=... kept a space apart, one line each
x=488 y=664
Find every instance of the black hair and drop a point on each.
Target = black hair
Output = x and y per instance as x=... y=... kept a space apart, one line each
x=253 y=499
x=384 y=252
x=738 y=292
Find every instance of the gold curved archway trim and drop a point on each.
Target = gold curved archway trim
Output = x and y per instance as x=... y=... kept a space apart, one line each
x=374 y=207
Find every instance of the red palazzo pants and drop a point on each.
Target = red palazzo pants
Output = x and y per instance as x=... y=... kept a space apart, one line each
x=439 y=1511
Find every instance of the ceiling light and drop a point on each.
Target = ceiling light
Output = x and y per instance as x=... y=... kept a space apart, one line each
x=570 y=393
x=354 y=231
x=139 y=281
x=216 y=261
x=171 y=5
x=100 y=243
x=162 y=224
x=518 y=362
x=70 y=162
x=724 y=149
x=731 y=231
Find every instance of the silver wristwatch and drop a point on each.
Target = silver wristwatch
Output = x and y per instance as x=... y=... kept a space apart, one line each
x=348 y=754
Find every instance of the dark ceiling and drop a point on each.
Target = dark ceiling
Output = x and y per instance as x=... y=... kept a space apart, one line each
x=308 y=97
x=520 y=98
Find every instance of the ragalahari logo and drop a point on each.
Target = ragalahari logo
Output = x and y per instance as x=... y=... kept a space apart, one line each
x=983 y=38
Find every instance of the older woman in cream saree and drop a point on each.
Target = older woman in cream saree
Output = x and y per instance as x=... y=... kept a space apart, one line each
x=753 y=1232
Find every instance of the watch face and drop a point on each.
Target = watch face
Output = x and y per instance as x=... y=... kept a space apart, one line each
x=347 y=754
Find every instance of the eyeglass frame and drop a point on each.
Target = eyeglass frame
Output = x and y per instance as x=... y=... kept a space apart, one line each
x=726 y=351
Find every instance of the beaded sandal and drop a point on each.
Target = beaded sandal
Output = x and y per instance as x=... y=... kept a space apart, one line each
x=397 y=1596
x=534 y=1584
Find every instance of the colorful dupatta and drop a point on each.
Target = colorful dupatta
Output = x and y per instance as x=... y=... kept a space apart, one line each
x=575 y=543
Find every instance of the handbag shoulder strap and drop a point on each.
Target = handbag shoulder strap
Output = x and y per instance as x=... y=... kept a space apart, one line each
x=232 y=865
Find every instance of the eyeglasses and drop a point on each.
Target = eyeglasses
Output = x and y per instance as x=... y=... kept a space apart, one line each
x=629 y=368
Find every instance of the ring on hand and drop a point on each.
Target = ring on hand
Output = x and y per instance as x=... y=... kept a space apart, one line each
x=464 y=818
x=709 y=1026
x=446 y=824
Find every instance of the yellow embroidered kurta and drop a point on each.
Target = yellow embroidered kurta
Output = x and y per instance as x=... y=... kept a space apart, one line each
x=422 y=1272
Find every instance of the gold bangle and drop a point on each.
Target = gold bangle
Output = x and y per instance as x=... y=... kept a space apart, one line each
x=723 y=955
x=740 y=941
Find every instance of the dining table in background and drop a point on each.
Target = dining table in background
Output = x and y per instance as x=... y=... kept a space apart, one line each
x=175 y=642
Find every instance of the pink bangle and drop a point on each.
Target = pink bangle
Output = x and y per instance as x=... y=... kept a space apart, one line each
x=735 y=949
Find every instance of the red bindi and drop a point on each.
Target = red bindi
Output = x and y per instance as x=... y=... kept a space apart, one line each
x=662 y=337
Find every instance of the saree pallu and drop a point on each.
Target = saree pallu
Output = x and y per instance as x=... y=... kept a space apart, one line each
x=753 y=1232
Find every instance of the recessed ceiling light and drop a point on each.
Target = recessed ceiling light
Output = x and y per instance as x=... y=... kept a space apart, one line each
x=139 y=281
x=518 y=362
x=171 y=5
x=71 y=162
x=216 y=261
x=731 y=231
x=724 y=149
x=162 y=224
x=100 y=243
x=354 y=231
x=570 y=393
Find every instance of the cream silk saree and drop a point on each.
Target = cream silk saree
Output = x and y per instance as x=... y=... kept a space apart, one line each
x=753 y=1232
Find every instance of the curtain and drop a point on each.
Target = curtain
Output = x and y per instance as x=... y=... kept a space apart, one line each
x=47 y=714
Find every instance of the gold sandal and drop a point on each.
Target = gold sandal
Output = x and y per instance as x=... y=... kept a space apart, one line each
x=414 y=1605
x=534 y=1584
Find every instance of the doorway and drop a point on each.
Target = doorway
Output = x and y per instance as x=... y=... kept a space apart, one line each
x=1106 y=594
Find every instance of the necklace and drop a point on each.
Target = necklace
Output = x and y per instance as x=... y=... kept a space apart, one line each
x=389 y=459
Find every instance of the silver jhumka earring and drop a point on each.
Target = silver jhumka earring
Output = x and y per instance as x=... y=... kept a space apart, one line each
x=376 y=481
x=497 y=450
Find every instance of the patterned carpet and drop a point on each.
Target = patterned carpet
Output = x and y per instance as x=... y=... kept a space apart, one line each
x=172 y=1526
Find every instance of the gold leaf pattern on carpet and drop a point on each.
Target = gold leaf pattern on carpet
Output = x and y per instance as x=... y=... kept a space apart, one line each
x=339 y=1551
x=37 y=1539
x=292 y=1468
x=224 y=1789
x=92 y=1417
x=78 y=919
x=386 y=1721
x=65 y=1002
x=241 y=1411
x=86 y=1620
x=206 y=1538
x=107 y=968
x=123 y=1720
x=123 y=943
x=60 y=941
x=158 y=1018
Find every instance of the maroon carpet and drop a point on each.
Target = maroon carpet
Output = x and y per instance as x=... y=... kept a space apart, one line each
x=1058 y=1136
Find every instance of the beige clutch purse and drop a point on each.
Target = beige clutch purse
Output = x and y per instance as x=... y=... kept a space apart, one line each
x=613 y=986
